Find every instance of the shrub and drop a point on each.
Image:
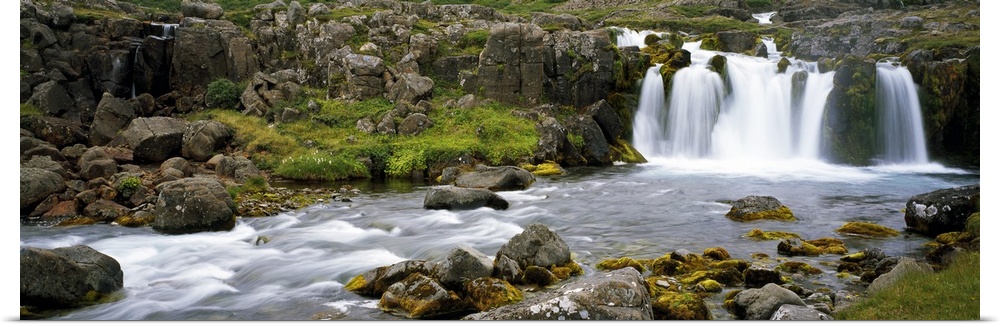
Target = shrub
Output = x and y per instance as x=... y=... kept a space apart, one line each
x=222 y=93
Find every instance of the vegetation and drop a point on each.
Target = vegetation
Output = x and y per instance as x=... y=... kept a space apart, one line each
x=951 y=294
x=223 y=93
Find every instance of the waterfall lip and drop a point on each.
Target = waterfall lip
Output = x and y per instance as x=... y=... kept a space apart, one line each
x=764 y=18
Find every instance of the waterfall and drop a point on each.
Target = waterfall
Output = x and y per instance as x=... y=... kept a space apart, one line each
x=765 y=17
x=648 y=127
x=902 y=138
x=755 y=113
x=772 y=49
x=629 y=37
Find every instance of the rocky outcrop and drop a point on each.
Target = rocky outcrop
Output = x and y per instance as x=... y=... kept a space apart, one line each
x=376 y=281
x=614 y=295
x=192 y=205
x=153 y=139
x=849 y=132
x=209 y=49
x=735 y=41
x=113 y=115
x=941 y=211
x=460 y=198
x=409 y=88
x=504 y=178
x=266 y=91
x=59 y=132
x=67 y=277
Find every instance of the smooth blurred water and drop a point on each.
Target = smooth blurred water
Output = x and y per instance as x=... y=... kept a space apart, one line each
x=643 y=211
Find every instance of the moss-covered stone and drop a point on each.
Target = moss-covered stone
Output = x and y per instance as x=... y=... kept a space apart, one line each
x=826 y=245
x=651 y=39
x=665 y=266
x=718 y=65
x=783 y=65
x=625 y=152
x=547 y=168
x=850 y=118
x=658 y=285
x=135 y=220
x=487 y=293
x=756 y=207
x=355 y=284
x=951 y=238
x=615 y=264
x=972 y=224
x=854 y=257
x=730 y=302
x=798 y=267
x=716 y=253
x=77 y=221
x=710 y=286
x=726 y=276
x=538 y=276
x=739 y=265
x=867 y=229
x=759 y=235
x=680 y=306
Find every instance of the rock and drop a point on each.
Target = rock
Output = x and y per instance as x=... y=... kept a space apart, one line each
x=912 y=22
x=364 y=76
x=458 y=198
x=193 y=205
x=376 y=281
x=757 y=276
x=942 y=211
x=179 y=164
x=113 y=114
x=154 y=139
x=755 y=207
x=596 y=149
x=505 y=178
x=45 y=162
x=57 y=131
x=790 y=312
x=847 y=116
x=365 y=125
x=51 y=97
x=63 y=209
x=37 y=184
x=866 y=229
x=386 y=125
x=104 y=210
x=735 y=41
x=680 y=306
x=762 y=303
x=487 y=293
x=410 y=88
x=31 y=147
x=462 y=265
x=97 y=163
x=67 y=277
x=196 y=8
x=614 y=295
x=537 y=245
x=419 y=297
x=607 y=119
x=202 y=138
x=566 y=21
x=414 y=124
x=825 y=245
x=207 y=50
x=449 y=69
x=238 y=167
x=905 y=266
x=760 y=50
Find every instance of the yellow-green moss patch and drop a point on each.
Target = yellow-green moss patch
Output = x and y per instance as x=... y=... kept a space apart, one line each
x=709 y=285
x=615 y=264
x=759 y=235
x=798 y=267
x=680 y=306
x=867 y=229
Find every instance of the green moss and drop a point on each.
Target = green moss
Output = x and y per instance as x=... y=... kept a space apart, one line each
x=972 y=224
x=798 y=267
x=853 y=257
x=356 y=284
x=134 y=221
x=727 y=276
x=680 y=306
x=716 y=253
x=739 y=265
x=867 y=229
x=850 y=119
x=625 y=152
x=709 y=285
x=547 y=168
x=77 y=221
x=615 y=264
x=783 y=65
x=782 y=213
x=826 y=245
x=488 y=293
x=28 y=109
x=759 y=235
x=538 y=276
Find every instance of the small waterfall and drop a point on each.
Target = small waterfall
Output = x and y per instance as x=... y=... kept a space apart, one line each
x=169 y=31
x=902 y=138
x=629 y=37
x=765 y=17
x=136 y=50
x=695 y=99
x=649 y=123
x=772 y=49
x=818 y=86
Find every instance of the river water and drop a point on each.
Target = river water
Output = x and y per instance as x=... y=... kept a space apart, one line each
x=293 y=266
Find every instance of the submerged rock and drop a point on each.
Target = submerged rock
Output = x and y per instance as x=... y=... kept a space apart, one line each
x=680 y=306
x=505 y=178
x=867 y=229
x=458 y=198
x=755 y=207
x=790 y=312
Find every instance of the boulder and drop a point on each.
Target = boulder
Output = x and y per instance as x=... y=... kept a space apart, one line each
x=903 y=267
x=942 y=211
x=596 y=150
x=504 y=178
x=458 y=198
x=414 y=124
x=37 y=184
x=486 y=293
x=537 y=245
x=154 y=139
x=96 y=162
x=462 y=265
x=207 y=50
x=735 y=41
x=614 y=295
x=410 y=88
x=239 y=168
x=67 y=277
x=199 y=9
x=365 y=125
x=762 y=303
x=756 y=207
x=791 y=312
x=193 y=205
x=847 y=118
x=376 y=281
x=179 y=164
x=104 y=210
x=31 y=147
x=680 y=306
x=51 y=97
x=45 y=162
x=113 y=114
x=202 y=138
x=57 y=131
x=364 y=76
x=420 y=297
x=607 y=119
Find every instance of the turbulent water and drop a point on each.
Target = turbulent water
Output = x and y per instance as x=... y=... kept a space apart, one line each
x=294 y=265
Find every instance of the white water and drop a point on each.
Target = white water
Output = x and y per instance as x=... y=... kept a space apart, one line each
x=629 y=37
x=764 y=18
x=772 y=49
x=755 y=120
x=902 y=138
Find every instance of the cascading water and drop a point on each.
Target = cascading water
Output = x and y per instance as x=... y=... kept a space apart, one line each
x=902 y=138
x=628 y=37
x=764 y=18
x=755 y=117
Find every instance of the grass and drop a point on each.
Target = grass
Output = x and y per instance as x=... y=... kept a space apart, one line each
x=951 y=294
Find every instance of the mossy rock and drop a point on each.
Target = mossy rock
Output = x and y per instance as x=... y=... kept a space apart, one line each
x=783 y=65
x=710 y=286
x=77 y=221
x=680 y=306
x=356 y=284
x=826 y=245
x=739 y=265
x=658 y=285
x=850 y=118
x=952 y=238
x=547 y=168
x=867 y=229
x=759 y=235
x=726 y=276
x=716 y=253
x=972 y=224
x=538 y=276
x=854 y=257
x=487 y=293
x=564 y=272
x=135 y=220
x=615 y=264
x=730 y=301
x=651 y=39
x=798 y=267
x=625 y=152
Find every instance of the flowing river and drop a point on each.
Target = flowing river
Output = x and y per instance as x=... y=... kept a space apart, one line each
x=293 y=266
